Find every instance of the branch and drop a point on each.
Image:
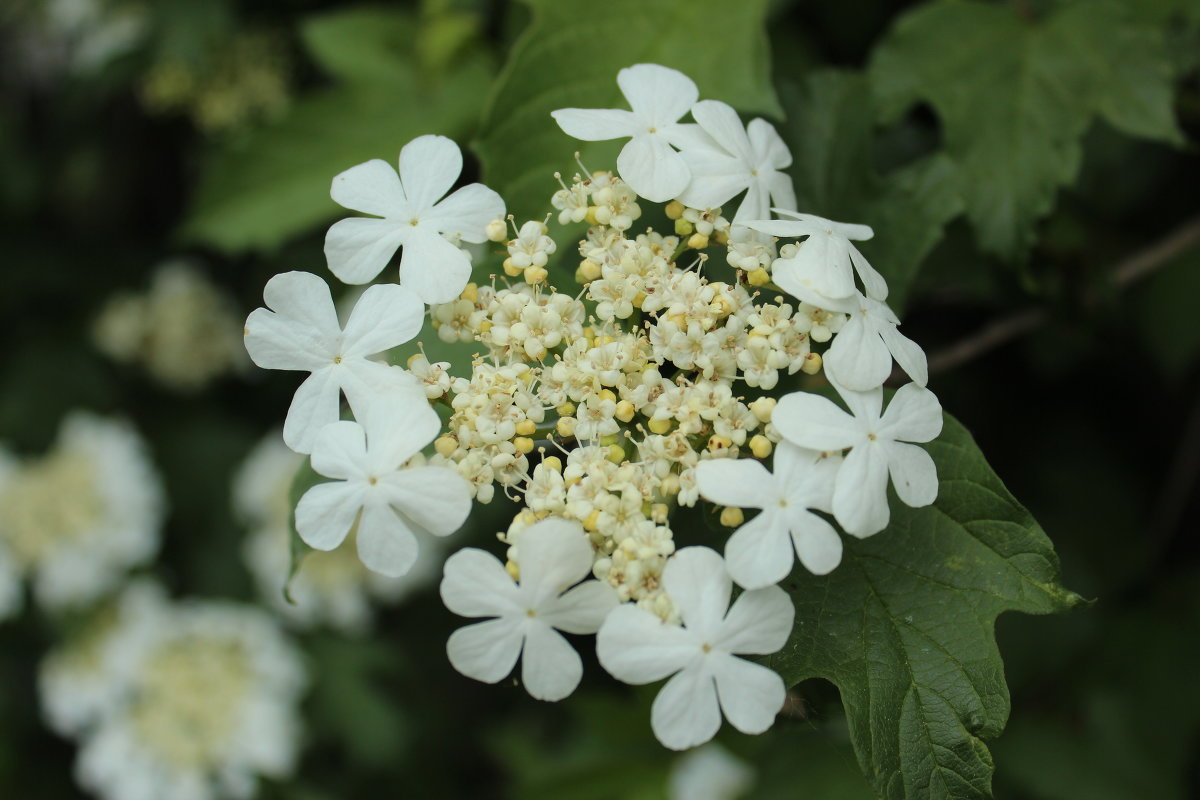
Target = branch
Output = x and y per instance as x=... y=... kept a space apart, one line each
x=1133 y=269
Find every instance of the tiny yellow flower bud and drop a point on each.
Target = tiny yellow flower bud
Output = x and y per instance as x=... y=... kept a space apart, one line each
x=638 y=299
x=566 y=410
x=759 y=277
x=760 y=446
x=716 y=442
x=446 y=445
x=811 y=365
x=683 y=227
x=762 y=408
x=485 y=325
x=496 y=230
x=590 y=269
x=607 y=394
x=471 y=293
x=732 y=516
x=565 y=427
x=535 y=275
x=511 y=269
x=591 y=215
x=592 y=521
x=625 y=411
x=616 y=453
x=674 y=209
x=698 y=241
x=552 y=462
x=523 y=444
x=513 y=570
x=659 y=426
x=526 y=427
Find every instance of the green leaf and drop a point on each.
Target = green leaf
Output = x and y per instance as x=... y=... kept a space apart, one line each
x=569 y=56
x=1015 y=95
x=258 y=192
x=830 y=129
x=905 y=628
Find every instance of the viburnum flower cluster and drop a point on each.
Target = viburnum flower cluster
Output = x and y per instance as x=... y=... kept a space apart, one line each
x=611 y=409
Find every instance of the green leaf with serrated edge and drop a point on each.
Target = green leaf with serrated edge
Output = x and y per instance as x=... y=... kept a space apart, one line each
x=569 y=57
x=258 y=192
x=1014 y=96
x=305 y=478
x=830 y=127
x=905 y=627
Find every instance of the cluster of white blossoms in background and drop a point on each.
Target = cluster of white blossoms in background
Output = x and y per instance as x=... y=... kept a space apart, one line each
x=183 y=700
x=76 y=518
x=607 y=410
x=183 y=331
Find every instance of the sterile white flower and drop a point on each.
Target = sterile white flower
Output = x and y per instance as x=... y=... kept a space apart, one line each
x=416 y=215
x=555 y=554
x=734 y=158
x=860 y=356
x=759 y=553
x=301 y=332
x=826 y=261
x=878 y=447
x=374 y=487
x=709 y=773
x=659 y=97
x=637 y=647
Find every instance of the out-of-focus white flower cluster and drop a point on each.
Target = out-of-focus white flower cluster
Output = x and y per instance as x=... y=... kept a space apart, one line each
x=183 y=330
x=185 y=700
x=609 y=409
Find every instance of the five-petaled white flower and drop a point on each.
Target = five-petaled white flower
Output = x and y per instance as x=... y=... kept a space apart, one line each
x=414 y=215
x=878 y=446
x=301 y=332
x=759 y=553
x=555 y=553
x=659 y=97
x=825 y=263
x=733 y=158
x=374 y=486
x=637 y=647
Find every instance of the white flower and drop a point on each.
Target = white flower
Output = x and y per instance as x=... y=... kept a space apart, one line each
x=301 y=332
x=76 y=519
x=860 y=356
x=734 y=158
x=878 y=445
x=368 y=461
x=709 y=773
x=554 y=554
x=205 y=698
x=414 y=215
x=637 y=647
x=659 y=97
x=759 y=553
x=825 y=263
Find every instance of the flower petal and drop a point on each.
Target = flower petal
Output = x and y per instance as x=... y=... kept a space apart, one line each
x=913 y=415
x=913 y=474
x=305 y=298
x=686 y=713
x=432 y=267
x=340 y=450
x=326 y=513
x=722 y=123
x=550 y=667
x=384 y=317
x=486 y=651
x=475 y=584
x=908 y=354
x=658 y=95
x=637 y=647
x=372 y=188
x=759 y=622
x=815 y=422
x=741 y=482
x=465 y=214
x=652 y=168
x=385 y=544
x=858 y=359
x=397 y=428
x=817 y=544
x=783 y=193
x=435 y=498
x=696 y=580
x=759 y=553
x=314 y=406
x=552 y=554
x=860 y=501
x=756 y=203
x=597 y=124
x=357 y=249
x=370 y=383
x=873 y=282
x=767 y=145
x=429 y=166
x=275 y=342
x=751 y=695
x=582 y=609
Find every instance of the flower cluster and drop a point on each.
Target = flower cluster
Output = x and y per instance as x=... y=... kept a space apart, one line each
x=609 y=411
